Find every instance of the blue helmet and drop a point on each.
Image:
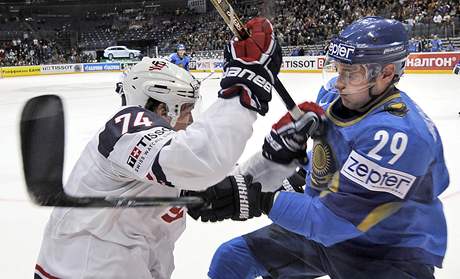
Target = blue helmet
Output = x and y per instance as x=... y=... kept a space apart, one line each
x=371 y=40
x=180 y=47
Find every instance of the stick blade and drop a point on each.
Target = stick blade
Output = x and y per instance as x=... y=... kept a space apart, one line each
x=42 y=145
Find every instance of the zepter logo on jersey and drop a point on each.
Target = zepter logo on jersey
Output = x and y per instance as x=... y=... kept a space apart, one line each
x=374 y=177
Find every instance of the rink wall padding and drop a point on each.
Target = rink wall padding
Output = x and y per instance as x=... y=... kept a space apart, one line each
x=417 y=63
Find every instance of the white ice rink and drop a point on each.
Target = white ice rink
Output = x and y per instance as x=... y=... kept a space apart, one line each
x=90 y=99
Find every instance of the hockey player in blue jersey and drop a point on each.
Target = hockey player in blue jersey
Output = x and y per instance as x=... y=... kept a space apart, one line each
x=370 y=207
x=180 y=58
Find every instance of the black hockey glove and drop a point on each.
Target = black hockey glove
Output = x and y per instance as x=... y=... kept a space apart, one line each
x=237 y=198
x=288 y=138
x=232 y=198
x=295 y=182
x=251 y=66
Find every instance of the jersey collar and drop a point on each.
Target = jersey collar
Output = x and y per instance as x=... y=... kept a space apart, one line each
x=353 y=120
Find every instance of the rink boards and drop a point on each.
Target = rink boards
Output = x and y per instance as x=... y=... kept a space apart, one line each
x=418 y=63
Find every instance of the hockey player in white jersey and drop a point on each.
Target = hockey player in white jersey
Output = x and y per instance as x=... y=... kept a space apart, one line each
x=150 y=147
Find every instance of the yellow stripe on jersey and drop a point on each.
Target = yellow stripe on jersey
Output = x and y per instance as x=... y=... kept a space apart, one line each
x=378 y=214
x=335 y=182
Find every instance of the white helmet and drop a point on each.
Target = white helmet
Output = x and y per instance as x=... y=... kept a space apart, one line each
x=162 y=81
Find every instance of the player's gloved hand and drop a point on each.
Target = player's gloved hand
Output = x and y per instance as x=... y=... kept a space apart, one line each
x=288 y=138
x=237 y=198
x=251 y=66
x=194 y=210
x=295 y=182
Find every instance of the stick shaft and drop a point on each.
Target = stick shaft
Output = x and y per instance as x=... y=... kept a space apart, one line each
x=123 y=202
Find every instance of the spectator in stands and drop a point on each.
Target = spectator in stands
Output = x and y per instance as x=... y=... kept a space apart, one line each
x=295 y=52
x=425 y=45
x=301 y=52
x=296 y=23
x=449 y=46
x=437 y=19
x=413 y=45
x=436 y=43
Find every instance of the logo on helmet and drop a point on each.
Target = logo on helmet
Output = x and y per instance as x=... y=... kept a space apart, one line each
x=157 y=65
x=393 y=49
x=341 y=51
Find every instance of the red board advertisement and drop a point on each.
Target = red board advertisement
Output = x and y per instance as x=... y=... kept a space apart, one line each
x=436 y=62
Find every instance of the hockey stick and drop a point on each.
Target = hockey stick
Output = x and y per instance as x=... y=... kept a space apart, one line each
x=206 y=77
x=237 y=27
x=209 y=76
x=42 y=145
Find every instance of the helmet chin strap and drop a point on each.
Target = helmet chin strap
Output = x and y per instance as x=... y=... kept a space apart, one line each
x=372 y=97
x=173 y=120
x=375 y=98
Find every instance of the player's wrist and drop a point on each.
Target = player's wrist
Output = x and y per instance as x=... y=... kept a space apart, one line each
x=266 y=201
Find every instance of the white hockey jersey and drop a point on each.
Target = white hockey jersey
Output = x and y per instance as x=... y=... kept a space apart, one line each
x=137 y=153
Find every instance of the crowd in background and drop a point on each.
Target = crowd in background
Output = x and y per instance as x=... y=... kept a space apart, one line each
x=300 y=23
x=309 y=22
x=38 y=52
x=297 y=23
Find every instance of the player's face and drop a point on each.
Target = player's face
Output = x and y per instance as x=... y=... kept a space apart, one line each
x=181 y=52
x=356 y=84
x=353 y=85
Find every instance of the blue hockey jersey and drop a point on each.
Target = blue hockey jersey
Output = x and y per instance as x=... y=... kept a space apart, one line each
x=373 y=184
x=181 y=62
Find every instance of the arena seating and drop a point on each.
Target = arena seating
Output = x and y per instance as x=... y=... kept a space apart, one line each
x=302 y=27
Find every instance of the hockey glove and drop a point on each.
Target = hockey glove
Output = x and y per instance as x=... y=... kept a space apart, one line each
x=295 y=182
x=251 y=66
x=288 y=138
x=232 y=198
x=237 y=198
